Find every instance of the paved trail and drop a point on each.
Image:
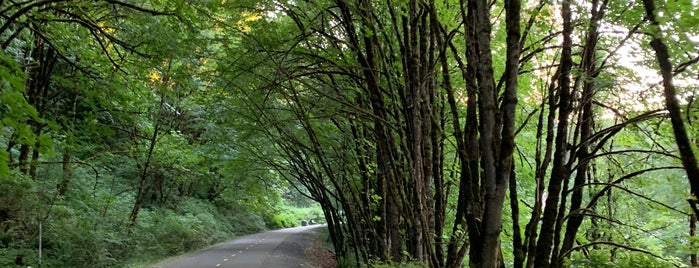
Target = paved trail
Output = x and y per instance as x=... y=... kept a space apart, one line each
x=280 y=248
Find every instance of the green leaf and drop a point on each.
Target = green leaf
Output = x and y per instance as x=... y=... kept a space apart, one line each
x=4 y=168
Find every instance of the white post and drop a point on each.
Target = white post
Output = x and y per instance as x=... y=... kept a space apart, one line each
x=40 y=245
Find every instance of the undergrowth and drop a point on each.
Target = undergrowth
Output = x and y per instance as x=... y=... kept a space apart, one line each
x=80 y=235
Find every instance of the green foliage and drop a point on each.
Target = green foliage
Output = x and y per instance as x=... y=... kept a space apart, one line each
x=624 y=259
x=378 y=264
x=18 y=203
x=14 y=109
x=289 y=216
x=192 y=225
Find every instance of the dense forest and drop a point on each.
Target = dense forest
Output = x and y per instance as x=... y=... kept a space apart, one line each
x=431 y=133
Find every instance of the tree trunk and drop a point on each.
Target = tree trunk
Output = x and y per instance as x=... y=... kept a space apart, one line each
x=586 y=128
x=67 y=174
x=506 y=170
x=37 y=87
x=693 y=244
x=23 y=158
x=517 y=245
x=469 y=200
x=545 y=242
x=143 y=182
x=35 y=160
x=542 y=165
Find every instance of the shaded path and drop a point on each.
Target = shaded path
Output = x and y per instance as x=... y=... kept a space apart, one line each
x=279 y=248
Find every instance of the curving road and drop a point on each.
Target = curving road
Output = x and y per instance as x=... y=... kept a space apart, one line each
x=279 y=248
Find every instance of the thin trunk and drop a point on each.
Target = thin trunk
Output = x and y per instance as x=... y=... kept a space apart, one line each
x=517 y=246
x=395 y=242
x=453 y=258
x=496 y=150
x=138 y=203
x=23 y=158
x=430 y=131
x=540 y=174
x=37 y=94
x=693 y=244
x=370 y=187
x=334 y=226
x=440 y=195
x=415 y=89
x=34 y=161
x=67 y=167
x=587 y=124
x=468 y=200
x=389 y=163
x=506 y=161
x=559 y=172
x=37 y=87
x=605 y=236
x=67 y=174
x=474 y=188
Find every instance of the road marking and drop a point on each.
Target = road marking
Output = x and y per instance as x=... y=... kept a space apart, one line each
x=240 y=251
x=217 y=265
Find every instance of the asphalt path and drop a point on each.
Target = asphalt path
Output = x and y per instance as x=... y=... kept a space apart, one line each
x=279 y=248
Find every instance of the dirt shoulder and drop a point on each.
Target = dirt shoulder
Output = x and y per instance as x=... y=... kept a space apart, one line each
x=304 y=249
x=317 y=251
